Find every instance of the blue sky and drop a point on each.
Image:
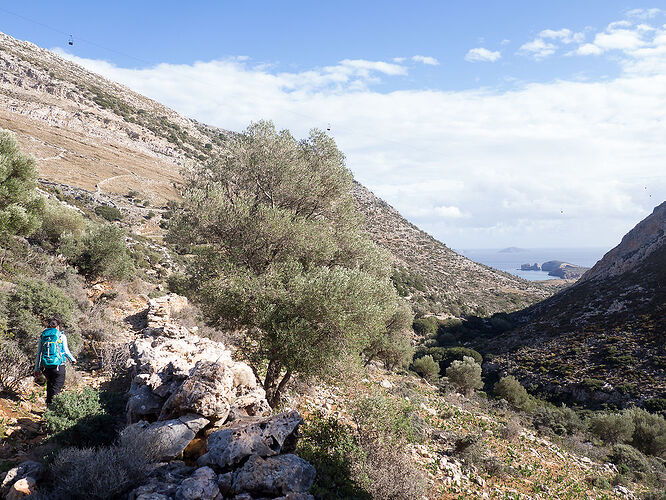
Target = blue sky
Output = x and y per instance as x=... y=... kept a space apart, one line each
x=488 y=124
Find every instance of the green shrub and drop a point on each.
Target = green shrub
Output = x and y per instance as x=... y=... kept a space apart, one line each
x=427 y=367
x=560 y=420
x=425 y=326
x=593 y=384
x=612 y=427
x=33 y=302
x=655 y=405
x=465 y=374
x=78 y=418
x=109 y=213
x=58 y=221
x=20 y=205
x=383 y=418
x=447 y=355
x=649 y=432
x=511 y=389
x=630 y=457
x=332 y=448
x=101 y=253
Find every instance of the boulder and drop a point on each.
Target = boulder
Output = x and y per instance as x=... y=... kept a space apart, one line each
x=143 y=402
x=202 y=485
x=24 y=470
x=265 y=437
x=21 y=488
x=208 y=391
x=170 y=437
x=277 y=475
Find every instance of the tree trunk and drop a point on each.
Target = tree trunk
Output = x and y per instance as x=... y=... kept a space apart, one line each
x=271 y=385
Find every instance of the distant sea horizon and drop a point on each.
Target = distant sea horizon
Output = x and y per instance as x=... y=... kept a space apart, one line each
x=510 y=259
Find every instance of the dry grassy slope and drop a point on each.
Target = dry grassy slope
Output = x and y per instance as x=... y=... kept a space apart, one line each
x=454 y=278
x=609 y=327
x=95 y=134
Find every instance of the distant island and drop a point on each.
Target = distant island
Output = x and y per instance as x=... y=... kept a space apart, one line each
x=512 y=250
x=557 y=268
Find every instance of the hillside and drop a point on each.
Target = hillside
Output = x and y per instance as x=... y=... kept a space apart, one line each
x=601 y=340
x=88 y=132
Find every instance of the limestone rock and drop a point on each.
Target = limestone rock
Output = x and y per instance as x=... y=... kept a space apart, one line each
x=170 y=437
x=21 y=488
x=208 y=391
x=24 y=470
x=202 y=485
x=257 y=436
x=277 y=475
x=176 y=372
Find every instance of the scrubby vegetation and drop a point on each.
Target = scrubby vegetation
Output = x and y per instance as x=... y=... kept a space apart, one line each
x=367 y=460
x=48 y=250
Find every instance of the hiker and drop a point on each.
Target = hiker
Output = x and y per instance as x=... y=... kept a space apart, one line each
x=51 y=356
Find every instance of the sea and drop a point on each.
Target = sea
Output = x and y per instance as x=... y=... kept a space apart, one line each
x=510 y=259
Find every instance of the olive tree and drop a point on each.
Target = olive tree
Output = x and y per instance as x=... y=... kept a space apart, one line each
x=20 y=205
x=276 y=250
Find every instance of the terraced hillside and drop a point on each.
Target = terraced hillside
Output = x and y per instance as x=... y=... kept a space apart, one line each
x=91 y=133
x=601 y=340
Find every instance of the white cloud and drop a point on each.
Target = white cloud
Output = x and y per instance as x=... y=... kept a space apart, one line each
x=430 y=61
x=480 y=54
x=539 y=48
x=566 y=163
x=644 y=13
x=588 y=49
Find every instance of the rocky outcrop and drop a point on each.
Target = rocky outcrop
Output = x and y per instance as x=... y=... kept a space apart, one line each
x=648 y=236
x=530 y=267
x=563 y=270
x=255 y=436
x=203 y=406
x=176 y=372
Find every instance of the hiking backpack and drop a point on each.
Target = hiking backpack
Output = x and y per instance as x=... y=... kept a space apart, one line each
x=52 y=348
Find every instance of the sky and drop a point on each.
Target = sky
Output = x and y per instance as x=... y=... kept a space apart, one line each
x=488 y=124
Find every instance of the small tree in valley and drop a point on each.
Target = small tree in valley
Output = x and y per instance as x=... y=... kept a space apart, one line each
x=465 y=374
x=277 y=251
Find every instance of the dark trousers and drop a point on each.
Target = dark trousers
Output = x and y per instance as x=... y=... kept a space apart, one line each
x=55 y=381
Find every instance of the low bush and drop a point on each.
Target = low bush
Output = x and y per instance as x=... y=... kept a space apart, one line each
x=427 y=367
x=78 y=418
x=101 y=253
x=32 y=302
x=447 y=355
x=332 y=448
x=612 y=428
x=562 y=420
x=101 y=473
x=629 y=457
x=465 y=374
x=57 y=222
x=109 y=213
x=383 y=418
x=425 y=326
x=98 y=324
x=510 y=388
x=649 y=434
x=15 y=366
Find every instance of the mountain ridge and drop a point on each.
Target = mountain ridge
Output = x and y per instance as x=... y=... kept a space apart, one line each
x=91 y=133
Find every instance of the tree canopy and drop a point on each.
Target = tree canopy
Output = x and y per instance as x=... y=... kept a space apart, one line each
x=277 y=251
